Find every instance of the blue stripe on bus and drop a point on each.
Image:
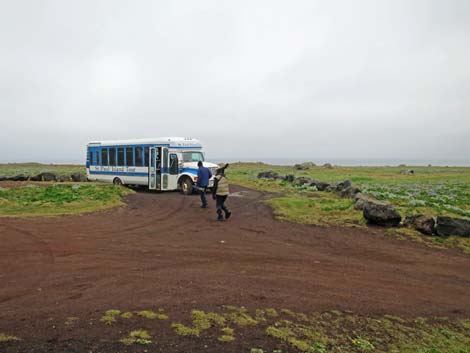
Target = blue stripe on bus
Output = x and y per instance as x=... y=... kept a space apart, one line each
x=119 y=173
x=165 y=171
x=188 y=170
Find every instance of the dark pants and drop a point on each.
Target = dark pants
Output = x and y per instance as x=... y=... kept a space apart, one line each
x=202 y=191
x=220 y=203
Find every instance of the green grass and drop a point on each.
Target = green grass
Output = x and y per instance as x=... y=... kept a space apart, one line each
x=149 y=314
x=110 y=316
x=59 y=199
x=7 y=338
x=334 y=331
x=325 y=209
x=285 y=330
x=141 y=337
x=431 y=190
x=31 y=169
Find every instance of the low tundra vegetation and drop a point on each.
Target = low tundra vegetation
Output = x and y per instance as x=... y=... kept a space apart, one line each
x=285 y=330
x=30 y=169
x=111 y=316
x=323 y=209
x=7 y=338
x=141 y=337
x=432 y=190
x=333 y=331
x=149 y=314
x=429 y=190
x=57 y=199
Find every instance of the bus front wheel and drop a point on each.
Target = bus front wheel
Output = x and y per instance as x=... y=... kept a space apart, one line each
x=186 y=186
x=117 y=182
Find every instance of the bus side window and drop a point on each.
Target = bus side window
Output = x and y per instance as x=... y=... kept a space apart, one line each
x=173 y=164
x=112 y=156
x=138 y=156
x=92 y=157
x=120 y=156
x=146 y=160
x=130 y=157
x=104 y=157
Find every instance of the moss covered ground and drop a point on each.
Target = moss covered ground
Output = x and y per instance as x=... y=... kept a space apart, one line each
x=59 y=199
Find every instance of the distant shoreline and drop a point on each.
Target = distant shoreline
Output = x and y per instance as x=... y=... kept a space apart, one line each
x=352 y=162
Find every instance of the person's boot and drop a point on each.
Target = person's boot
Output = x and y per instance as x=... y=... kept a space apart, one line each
x=228 y=214
x=219 y=215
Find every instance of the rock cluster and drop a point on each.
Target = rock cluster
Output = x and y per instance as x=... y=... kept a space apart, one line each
x=441 y=225
x=375 y=211
x=452 y=226
x=379 y=212
x=344 y=189
x=47 y=176
x=422 y=223
x=304 y=166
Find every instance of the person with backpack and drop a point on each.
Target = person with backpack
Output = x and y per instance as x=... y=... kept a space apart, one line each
x=203 y=176
x=220 y=192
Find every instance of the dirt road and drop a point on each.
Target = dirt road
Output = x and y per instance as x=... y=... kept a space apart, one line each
x=163 y=250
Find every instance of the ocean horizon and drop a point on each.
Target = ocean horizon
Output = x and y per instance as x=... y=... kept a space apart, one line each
x=356 y=162
x=353 y=162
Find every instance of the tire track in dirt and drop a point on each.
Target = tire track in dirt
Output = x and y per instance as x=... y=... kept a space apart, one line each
x=41 y=247
x=175 y=254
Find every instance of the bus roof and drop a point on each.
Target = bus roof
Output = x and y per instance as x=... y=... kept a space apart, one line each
x=168 y=141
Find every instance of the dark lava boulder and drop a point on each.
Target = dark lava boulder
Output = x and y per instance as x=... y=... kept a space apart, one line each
x=3 y=177
x=452 y=226
x=330 y=188
x=63 y=178
x=290 y=178
x=422 y=223
x=361 y=199
x=381 y=213
x=301 y=167
x=320 y=185
x=19 y=177
x=78 y=177
x=343 y=185
x=302 y=180
x=46 y=177
x=327 y=166
x=268 y=175
x=350 y=192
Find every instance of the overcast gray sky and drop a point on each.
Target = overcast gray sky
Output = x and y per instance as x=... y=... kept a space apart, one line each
x=313 y=80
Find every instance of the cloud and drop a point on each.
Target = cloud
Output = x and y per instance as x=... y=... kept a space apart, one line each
x=304 y=80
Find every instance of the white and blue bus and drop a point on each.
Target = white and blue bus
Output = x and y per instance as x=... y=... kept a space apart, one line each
x=159 y=163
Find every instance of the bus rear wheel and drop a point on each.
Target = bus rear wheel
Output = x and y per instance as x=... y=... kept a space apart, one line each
x=186 y=185
x=117 y=182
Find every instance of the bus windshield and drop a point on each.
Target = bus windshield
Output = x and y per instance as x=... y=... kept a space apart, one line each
x=193 y=157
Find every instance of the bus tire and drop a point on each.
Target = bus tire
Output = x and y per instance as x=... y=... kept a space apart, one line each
x=117 y=182
x=186 y=185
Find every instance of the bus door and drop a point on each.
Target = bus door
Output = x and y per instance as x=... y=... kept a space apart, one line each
x=153 y=168
x=164 y=169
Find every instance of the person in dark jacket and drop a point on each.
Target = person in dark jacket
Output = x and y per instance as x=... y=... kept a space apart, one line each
x=203 y=176
x=220 y=192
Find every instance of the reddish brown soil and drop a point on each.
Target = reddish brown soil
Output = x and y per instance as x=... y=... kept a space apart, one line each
x=162 y=250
